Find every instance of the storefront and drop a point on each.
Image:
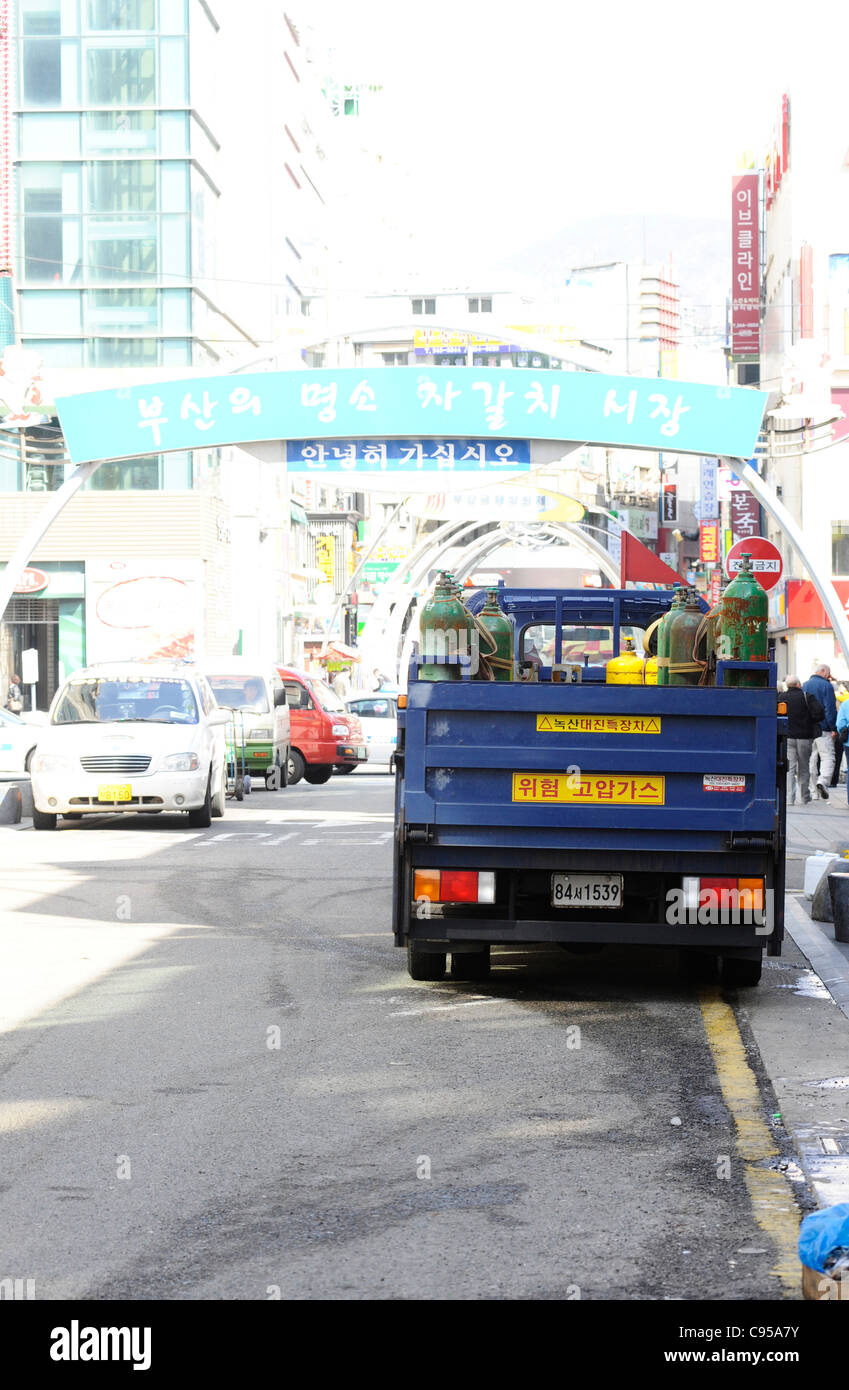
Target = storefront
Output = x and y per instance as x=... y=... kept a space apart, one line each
x=800 y=630
x=46 y=614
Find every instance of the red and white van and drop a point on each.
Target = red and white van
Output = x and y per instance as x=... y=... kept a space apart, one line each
x=324 y=734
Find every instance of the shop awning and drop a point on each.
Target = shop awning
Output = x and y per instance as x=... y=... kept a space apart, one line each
x=339 y=651
x=297 y=513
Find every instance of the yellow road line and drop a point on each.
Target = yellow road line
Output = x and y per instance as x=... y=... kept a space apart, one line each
x=770 y=1193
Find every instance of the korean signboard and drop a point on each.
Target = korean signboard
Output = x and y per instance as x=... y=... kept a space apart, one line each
x=745 y=267
x=669 y=502
x=411 y=403
x=408 y=455
x=709 y=492
x=709 y=542
x=745 y=514
x=325 y=555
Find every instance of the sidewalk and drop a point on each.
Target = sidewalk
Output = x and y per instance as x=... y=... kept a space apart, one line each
x=820 y=824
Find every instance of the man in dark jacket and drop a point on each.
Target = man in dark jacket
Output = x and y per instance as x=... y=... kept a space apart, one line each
x=820 y=686
x=804 y=717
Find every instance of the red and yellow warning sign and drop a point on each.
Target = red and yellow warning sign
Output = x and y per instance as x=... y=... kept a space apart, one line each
x=598 y=723
x=616 y=788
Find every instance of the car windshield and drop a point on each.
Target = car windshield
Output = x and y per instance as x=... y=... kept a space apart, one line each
x=240 y=692
x=327 y=698
x=107 y=700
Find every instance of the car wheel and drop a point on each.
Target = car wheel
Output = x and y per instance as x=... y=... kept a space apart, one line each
x=322 y=772
x=296 y=767
x=201 y=817
x=218 y=801
x=345 y=768
x=43 y=820
x=425 y=965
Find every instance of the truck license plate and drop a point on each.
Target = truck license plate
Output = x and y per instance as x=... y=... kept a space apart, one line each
x=119 y=792
x=586 y=890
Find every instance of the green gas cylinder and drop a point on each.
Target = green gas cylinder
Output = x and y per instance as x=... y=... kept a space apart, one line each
x=682 y=669
x=445 y=626
x=663 y=634
x=741 y=627
x=500 y=628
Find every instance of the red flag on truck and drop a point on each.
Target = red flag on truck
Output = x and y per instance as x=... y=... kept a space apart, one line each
x=637 y=562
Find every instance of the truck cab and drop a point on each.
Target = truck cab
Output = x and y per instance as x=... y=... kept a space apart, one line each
x=325 y=735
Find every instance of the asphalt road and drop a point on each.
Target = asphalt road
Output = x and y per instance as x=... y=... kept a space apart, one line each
x=218 y=1081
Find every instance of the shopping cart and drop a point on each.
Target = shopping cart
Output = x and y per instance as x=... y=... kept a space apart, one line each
x=238 y=777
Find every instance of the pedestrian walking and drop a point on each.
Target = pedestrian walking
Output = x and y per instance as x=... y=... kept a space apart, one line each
x=804 y=716
x=15 y=695
x=819 y=685
x=839 y=697
x=843 y=736
x=342 y=684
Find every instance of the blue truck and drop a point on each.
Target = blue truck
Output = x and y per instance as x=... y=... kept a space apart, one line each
x=563 y=809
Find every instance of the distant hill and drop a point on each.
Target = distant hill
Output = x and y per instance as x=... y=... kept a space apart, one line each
x=699 y=250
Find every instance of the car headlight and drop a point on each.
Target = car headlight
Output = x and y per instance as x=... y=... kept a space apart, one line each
x=340 y=731
x=181 y=762
x=260 y=733
x=52 y=762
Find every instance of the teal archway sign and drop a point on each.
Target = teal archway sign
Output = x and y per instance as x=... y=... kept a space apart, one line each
x=412 y=402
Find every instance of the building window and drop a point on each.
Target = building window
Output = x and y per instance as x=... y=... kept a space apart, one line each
x=124 y=258
x=125 y=185
x=424 y=306
x=480 y=305
x=394 y=359
x=121 y=14
x=121 y=76
x=486 y=304
x=123 y=352
x=840 y=548
x=43 y=233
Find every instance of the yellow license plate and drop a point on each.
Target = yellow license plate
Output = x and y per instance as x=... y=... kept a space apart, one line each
x=121 y=791
x=621 y=789
x=598 y=724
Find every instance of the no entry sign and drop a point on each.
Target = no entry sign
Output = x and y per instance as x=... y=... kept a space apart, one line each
x=766 y=560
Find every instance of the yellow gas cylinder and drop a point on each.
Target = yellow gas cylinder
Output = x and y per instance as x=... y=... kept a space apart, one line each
x=627 y=668
x=650 y=671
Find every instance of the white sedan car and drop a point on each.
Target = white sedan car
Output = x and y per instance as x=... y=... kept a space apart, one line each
x=378 y=714
x=140 y=737
x=17 y=742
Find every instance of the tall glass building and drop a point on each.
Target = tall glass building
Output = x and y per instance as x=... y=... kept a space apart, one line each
x=111 y=160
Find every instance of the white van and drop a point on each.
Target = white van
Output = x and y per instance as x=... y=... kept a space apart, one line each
x=259 y=692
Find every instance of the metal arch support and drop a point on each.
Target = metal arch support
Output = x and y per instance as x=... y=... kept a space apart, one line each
x=498 y=537
x=389 y=593
x=430 y=560
x=779 y=513
x=31 y=538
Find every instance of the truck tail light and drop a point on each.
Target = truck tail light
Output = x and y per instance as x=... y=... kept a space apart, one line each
x=454 y=885
x=708 y=891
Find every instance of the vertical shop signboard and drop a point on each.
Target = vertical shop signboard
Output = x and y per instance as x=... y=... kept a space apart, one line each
x=745 y=267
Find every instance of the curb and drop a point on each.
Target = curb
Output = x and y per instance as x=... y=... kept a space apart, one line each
x=15 y=801
x=823 y=1148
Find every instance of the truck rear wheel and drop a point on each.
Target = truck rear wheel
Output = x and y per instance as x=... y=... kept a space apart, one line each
x=741 y=971
x=295 y=768
x=425 y=965
x=470 y=965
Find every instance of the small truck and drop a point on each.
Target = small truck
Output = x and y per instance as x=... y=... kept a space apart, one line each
x=557 y=807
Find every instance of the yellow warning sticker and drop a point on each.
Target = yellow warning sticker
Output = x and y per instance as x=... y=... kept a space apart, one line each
x=617 y=787
x=598 y=723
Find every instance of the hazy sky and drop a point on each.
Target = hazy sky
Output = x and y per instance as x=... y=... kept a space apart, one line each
x=516 y=119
